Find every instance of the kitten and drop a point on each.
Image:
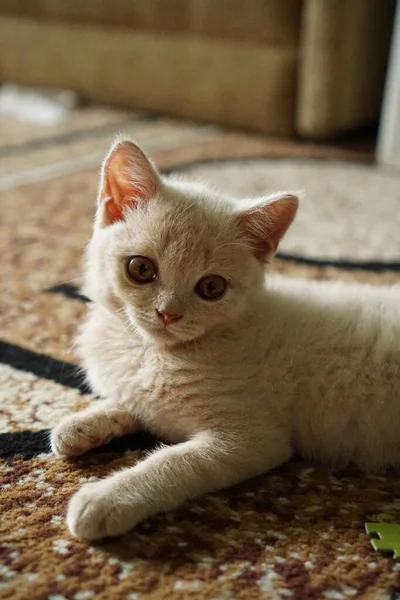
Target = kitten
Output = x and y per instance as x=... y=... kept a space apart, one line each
x=186 y=338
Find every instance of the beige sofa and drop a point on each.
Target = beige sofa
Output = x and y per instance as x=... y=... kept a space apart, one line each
x=310 y=67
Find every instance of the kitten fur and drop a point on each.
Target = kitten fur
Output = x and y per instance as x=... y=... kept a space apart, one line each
x=236 y=385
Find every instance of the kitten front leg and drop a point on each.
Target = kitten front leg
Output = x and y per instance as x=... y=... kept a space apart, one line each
x=90 y=428
x=164 y=480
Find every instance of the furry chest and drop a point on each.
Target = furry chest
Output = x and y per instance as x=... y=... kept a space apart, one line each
x=167 y=400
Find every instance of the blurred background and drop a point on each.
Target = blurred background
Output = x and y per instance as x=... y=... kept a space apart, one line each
x=297 y=69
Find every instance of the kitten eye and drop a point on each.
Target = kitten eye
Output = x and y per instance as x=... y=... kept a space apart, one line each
x=141 y=269
x=211 y=287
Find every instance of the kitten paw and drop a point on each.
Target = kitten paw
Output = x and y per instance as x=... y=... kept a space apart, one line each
x=94 y=512
x=76 y=435
x=81 y=432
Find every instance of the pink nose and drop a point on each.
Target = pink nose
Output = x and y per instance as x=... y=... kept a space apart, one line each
x=168 y=317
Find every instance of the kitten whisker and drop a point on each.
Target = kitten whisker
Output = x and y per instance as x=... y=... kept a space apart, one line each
x=68 y=281
x=239 y=244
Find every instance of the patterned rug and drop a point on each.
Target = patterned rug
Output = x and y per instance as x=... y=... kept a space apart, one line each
x=295 y=533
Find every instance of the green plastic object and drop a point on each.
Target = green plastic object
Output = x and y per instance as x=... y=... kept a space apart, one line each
x=389 y=537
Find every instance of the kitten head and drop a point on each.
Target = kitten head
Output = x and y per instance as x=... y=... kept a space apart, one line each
x=173 y=258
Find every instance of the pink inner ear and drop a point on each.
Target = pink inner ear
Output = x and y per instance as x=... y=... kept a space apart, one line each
x=280 y=215
x=128 y=177
x=113 y=212
x=264 y=225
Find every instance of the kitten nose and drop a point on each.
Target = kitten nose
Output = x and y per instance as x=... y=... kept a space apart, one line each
x=168 y=317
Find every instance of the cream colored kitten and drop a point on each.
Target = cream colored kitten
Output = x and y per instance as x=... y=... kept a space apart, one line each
x=187 y=339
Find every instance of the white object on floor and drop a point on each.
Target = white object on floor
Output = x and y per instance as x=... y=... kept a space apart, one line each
x=388 y=152
x=37 y=106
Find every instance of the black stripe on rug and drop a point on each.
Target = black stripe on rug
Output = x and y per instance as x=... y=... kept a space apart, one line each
x=374 y=266
x=43 y=366
x=28 y=444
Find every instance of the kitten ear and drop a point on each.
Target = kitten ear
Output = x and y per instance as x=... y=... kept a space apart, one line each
x=127 y=177
x=264 y=224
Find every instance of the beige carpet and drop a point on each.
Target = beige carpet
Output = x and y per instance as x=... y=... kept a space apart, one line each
x=296 y=533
